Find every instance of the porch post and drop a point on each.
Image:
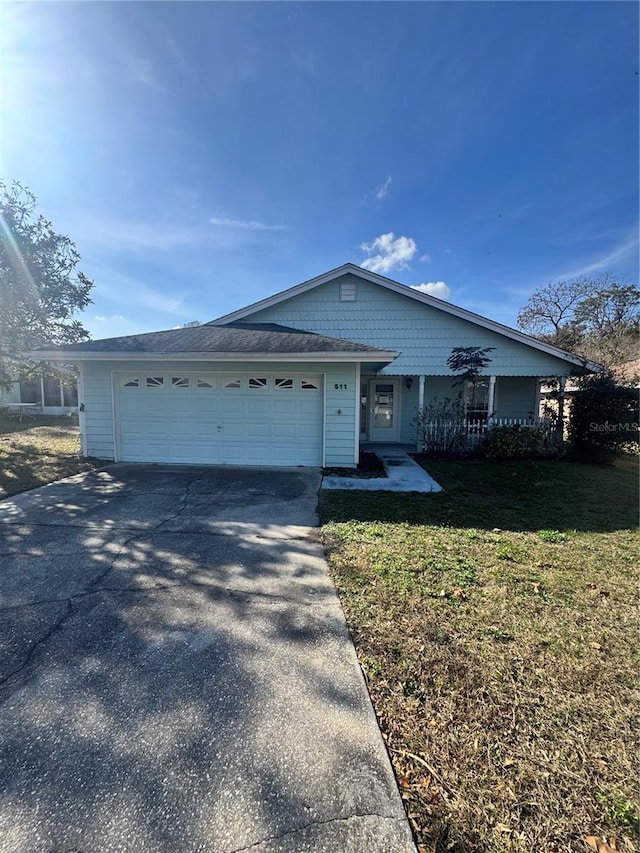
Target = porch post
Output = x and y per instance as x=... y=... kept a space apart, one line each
x=421 y=378
x=490 y=400
x=562 y=381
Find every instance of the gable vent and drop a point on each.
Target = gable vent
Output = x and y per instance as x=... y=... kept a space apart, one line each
x=347 y=292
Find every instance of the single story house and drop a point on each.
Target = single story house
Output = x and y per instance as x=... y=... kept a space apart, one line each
x=304 y=377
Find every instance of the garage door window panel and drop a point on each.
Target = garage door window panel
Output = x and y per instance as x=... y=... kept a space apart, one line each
x=284 y=384
x=155 y=381
x=258 y=383
x=180 y=382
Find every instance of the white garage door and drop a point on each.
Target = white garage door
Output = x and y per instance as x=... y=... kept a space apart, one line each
x=220 y=418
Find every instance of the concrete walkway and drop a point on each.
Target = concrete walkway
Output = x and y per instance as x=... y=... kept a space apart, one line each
x=176 y=674
x=403 y=474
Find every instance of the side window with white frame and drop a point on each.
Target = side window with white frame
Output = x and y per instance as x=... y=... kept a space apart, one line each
x=477 y=399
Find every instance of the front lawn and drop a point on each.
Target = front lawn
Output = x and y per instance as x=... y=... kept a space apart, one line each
x=38 y=451
x=497 y=629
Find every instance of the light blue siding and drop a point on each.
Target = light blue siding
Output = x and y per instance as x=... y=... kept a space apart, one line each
x=516 y=397
x=435 y=387
x=423 y=335
x=340 y=399
x=98 y=407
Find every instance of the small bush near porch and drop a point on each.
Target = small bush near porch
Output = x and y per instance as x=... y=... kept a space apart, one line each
x=496 y=626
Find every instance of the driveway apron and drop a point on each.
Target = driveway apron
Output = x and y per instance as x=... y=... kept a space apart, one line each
x=176 y=673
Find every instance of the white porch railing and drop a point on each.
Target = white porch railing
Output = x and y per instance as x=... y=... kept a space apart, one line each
x=441 y=434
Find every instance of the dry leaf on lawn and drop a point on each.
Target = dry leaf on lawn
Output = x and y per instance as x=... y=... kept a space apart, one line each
x=600 y=846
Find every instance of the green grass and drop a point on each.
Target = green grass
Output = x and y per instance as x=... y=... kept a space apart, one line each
x=497 y=628
x=38 y=451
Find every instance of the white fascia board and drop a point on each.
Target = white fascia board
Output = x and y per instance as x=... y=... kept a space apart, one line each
x=411 y=293
x=382 y=355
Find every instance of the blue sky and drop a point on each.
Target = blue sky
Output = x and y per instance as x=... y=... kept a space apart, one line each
x=205 y=155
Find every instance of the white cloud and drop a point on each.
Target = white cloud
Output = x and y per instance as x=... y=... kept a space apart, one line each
x=433 y=288
x=425 y=259
x=102 y=319
x=246 y=224
x=384 y=189
x=391 y=253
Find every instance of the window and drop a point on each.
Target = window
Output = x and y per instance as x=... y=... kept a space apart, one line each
x=257 y=382
x=477 y=400
x=205 y=383
x=232 y=383
x=69 y=395
x=30 y=391
x=52 y=395
x=364 y=408
x=284 y=384
x=131 y=383
x=308 y=385
x=180 y=382
x=347 y=292
x=55 y=392
x=155 y=381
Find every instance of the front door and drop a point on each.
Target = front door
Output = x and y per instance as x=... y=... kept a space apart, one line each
x=383 y=410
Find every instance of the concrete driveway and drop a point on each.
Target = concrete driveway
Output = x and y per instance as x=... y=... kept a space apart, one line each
x=176 y=673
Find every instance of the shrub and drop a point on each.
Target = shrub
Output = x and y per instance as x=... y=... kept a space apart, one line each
x=441 y=426
x=513 y=442
x=604 y=418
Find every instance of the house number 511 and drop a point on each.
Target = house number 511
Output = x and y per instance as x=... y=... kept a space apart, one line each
x=340 y=387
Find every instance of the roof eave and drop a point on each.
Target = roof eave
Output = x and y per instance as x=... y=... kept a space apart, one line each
x=78 y=355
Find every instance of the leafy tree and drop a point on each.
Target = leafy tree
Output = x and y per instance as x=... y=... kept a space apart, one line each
x=40 y=289
x=469 y=362
x=604 y=417
x=610 y=317
x=595 y=318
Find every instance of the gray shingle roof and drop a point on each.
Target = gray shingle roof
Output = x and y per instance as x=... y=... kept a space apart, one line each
x=233 y=338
